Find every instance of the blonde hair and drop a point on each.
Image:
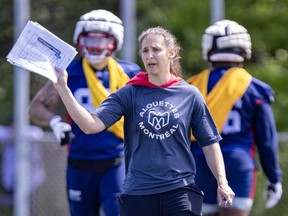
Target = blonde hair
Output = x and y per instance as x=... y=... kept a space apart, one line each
x=171 y=42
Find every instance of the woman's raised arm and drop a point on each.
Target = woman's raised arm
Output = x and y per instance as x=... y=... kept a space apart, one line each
x=87 y=122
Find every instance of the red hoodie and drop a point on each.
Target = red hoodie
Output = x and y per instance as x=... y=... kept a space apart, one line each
x=141 y=79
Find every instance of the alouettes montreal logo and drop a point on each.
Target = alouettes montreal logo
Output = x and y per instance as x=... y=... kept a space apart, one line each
x=157 y=119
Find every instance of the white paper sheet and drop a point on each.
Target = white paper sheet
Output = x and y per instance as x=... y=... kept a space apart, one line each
x=40 y=51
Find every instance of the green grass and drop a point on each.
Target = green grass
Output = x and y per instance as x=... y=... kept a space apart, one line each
x=259 y=203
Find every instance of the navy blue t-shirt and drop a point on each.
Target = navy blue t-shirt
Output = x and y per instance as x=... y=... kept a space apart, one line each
x=157 y=124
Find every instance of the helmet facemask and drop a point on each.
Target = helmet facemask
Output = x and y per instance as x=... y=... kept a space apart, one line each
x=95 y=46
x=98 y=29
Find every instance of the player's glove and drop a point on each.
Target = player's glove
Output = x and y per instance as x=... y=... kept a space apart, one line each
x=61 y=130
x=273 y=194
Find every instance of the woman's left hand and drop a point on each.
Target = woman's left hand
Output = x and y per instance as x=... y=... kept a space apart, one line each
x=225 y=195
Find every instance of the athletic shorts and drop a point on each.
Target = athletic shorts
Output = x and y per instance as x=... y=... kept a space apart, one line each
x=89 y=191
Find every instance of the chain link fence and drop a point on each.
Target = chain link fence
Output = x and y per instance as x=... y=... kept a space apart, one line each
x=49 y=199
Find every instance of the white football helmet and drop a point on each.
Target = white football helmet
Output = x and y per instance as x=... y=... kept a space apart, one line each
x=226 y=41
x=101 y=31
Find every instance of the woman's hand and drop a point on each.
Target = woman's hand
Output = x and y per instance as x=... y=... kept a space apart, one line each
x=62 y=76
x=215 y=162
x=225 y=195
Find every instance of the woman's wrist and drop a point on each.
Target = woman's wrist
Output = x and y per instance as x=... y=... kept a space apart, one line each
x=222 y=181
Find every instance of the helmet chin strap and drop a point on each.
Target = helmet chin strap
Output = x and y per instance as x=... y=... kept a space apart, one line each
x=95 y=59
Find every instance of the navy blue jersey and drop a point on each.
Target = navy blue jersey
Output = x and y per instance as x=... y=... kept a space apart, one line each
x=157 y=125
x=100 y=146
x=250 y=126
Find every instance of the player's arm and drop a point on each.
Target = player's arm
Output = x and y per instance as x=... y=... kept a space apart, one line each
x=41 y=106
x=265 y=131
x=215 y=162
x=267 y=143
x=40 y=111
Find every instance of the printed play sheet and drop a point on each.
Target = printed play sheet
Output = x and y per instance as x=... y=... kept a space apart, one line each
x=40 y=51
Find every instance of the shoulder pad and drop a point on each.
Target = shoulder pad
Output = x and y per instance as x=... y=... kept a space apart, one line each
x=264 y=90
x=129 y=68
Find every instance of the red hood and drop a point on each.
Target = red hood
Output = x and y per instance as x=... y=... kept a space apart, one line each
x=141 y=79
